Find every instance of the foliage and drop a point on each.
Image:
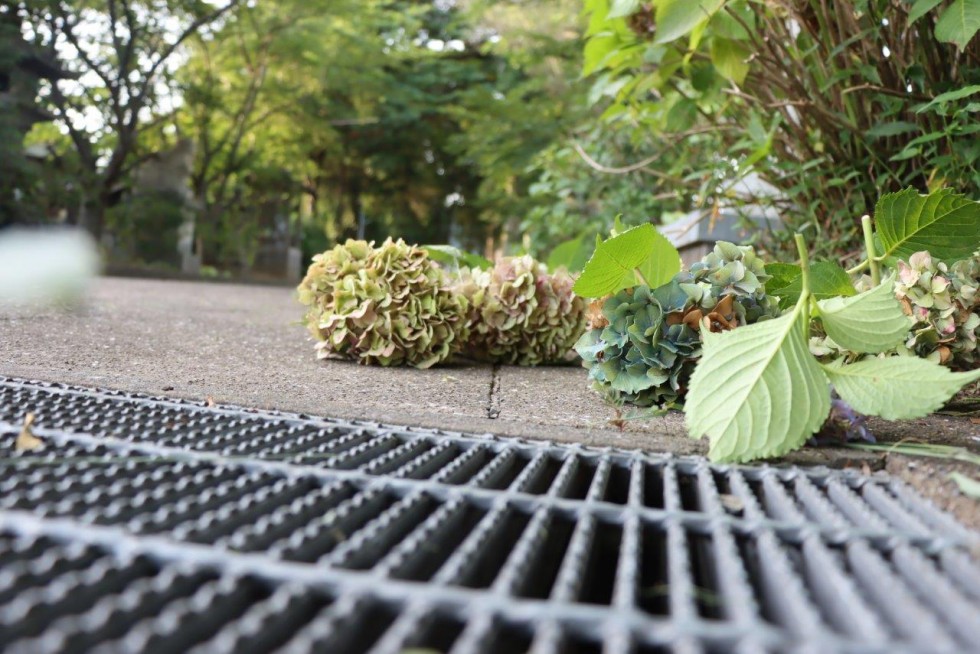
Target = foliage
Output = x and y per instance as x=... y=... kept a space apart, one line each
x=643 y=343
x=942 y=222
x=520 y=313
x=431 y=121
x=121 y=56
x=866 y=322
x=828 y=104
x=758 y=392
x=453 y=258
x=146 y=225
x=827 y=279
x=776 y=398
x=640 y=255
x=388 y=305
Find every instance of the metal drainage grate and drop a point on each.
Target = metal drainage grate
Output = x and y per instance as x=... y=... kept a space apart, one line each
x=149 y=524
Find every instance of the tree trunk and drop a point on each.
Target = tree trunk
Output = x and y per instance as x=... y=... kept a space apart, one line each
x=92 y=216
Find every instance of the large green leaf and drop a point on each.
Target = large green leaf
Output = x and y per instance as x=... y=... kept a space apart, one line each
x=730 y=58
x=827 y=280
x=871 y=322
x=897 y=387
x=677 y=18
x=920 y=8
x=891 y=129
x=757 y=392
x=614 y=263
x=959 y=23
x=950 y=96
x=943 y=222
x=621 y=8
x=571 y=255
x=453 y=257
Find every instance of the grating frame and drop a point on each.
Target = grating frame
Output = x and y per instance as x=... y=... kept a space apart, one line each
x=154 y=524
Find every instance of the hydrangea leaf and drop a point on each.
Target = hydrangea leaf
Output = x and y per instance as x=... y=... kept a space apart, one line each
x=959 y=23
x=571 y=255
x=870 y=322
x=615 y=261
x=453 y=257
x=920 y=8
x=827 y=280
x=730 y=58
x=897 y=387
x=757 y=391
x=677 y=18
x=943 y=222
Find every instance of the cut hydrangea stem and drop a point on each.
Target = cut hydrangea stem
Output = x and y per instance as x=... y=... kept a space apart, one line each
x=869 y=246
x=804 y=300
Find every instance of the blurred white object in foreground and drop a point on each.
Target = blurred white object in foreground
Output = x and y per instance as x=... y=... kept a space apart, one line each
x=54 y=264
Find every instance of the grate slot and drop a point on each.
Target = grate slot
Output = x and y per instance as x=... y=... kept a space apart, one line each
x=618 y=486
x=428 y=463
x=502 y=470
x=421 y=628
x=287 y=518
x=35 y=607
x=816 y=506
x=539 y=475
x=113 y=615
x=320 y=536
x=962 y=571
x=352 y=625
x=421 y=555
x=843 y=606
x=654 y=592
x=267 y=624
x=653 y=486
x=490 y=634
x=708 y=598
x=396 y=458
x=581 y=480
x=904 y=613
x=886 y=506
x=366 y=547
x=499 y=535
x=958 y=612
x=600 y=567
x=150 y=524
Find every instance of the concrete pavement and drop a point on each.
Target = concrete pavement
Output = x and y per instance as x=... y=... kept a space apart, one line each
x=244 y=345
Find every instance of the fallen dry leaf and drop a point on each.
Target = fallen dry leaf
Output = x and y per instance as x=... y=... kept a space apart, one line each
x=26 y=440
x=732 y=503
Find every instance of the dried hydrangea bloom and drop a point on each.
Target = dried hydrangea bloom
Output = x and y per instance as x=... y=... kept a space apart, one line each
x=943 y=308
x=389 y=305
x=520 y=313
x=644 y=343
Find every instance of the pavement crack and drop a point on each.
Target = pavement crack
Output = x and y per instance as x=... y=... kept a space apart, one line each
x=493 y=396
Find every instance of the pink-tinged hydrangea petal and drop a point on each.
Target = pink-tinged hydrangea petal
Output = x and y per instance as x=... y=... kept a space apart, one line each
x=514 y=316
x=921 y=261
x=946 y=308
x=387 y=305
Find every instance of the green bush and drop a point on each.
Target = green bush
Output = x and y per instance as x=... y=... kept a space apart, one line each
x=146 y=226
x=830 y=103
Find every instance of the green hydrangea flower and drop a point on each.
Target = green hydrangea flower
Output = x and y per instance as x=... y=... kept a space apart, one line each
x=643 y=343
x=389 y=305
x=521 y=314
x=943 y=306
